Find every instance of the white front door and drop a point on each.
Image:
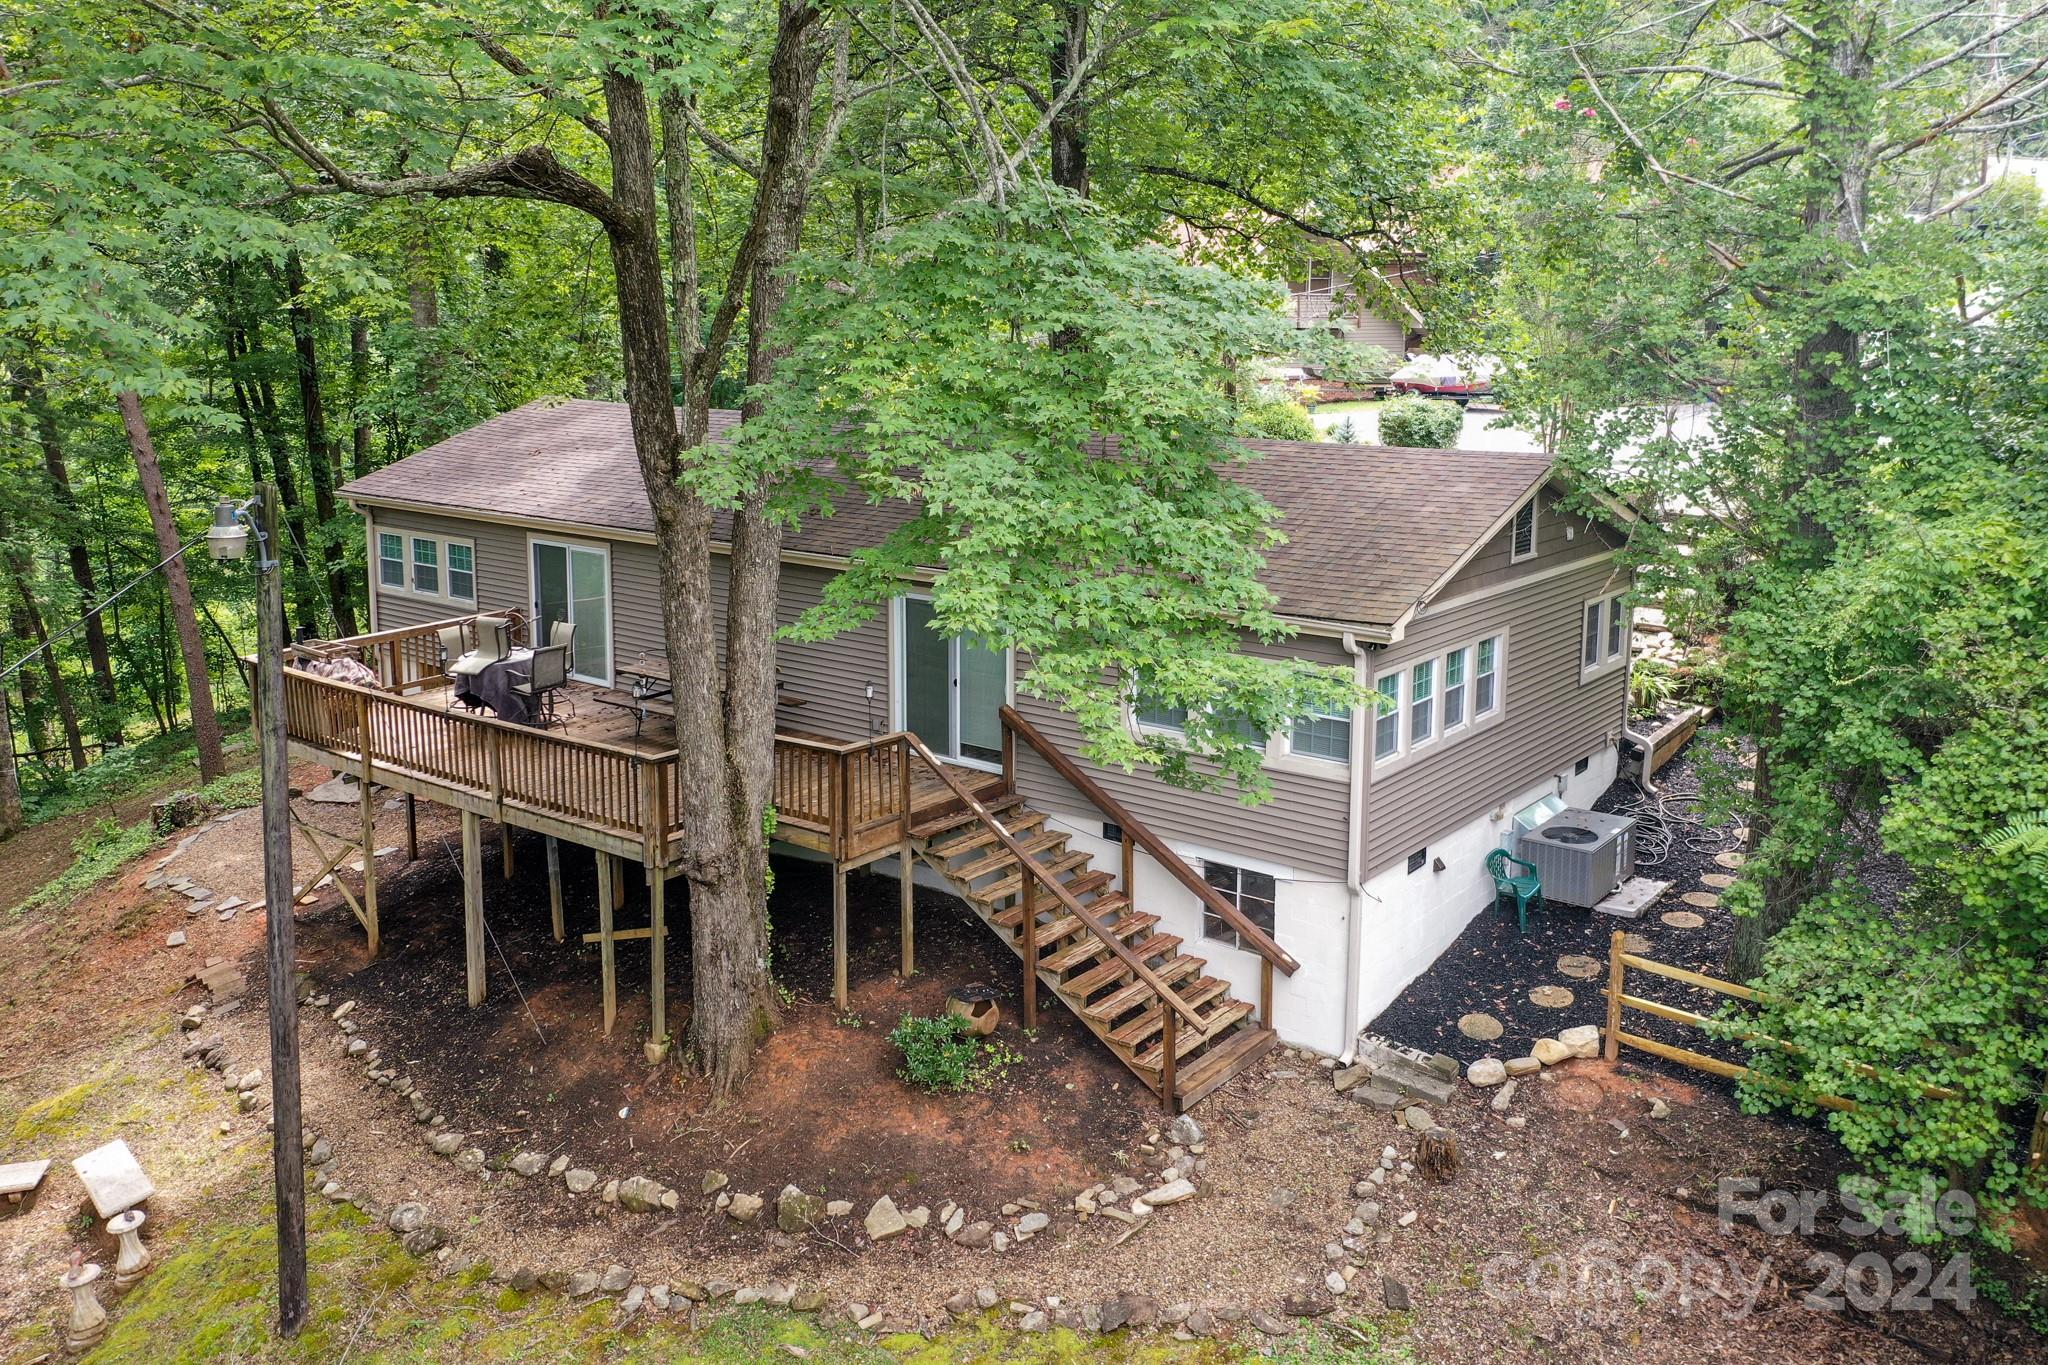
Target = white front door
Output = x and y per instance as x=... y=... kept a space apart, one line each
x=952 y=688
x=573 y=583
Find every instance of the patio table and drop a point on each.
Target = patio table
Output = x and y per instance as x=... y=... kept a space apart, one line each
x=494 y=687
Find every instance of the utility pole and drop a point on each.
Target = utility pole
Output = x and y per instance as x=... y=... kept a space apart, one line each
x=287 y=1146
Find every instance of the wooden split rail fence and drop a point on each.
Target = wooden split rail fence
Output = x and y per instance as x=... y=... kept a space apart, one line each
x=1619 y=963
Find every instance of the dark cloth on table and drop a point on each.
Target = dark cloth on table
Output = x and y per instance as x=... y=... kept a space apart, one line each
x=493 y=689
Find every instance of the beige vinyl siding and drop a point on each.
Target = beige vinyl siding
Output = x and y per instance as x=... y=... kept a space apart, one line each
x=830 y=677
x=1560 y=537
x=1302 y=825
x=1551 y=717
x=1385 y=333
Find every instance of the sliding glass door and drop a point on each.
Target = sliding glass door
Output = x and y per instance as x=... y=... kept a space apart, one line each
x=952 y=689
x=573 y=583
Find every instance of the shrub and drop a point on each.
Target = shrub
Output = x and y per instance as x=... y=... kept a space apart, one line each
x=1429 y=423
x=1275 y=418
x=938 y=1052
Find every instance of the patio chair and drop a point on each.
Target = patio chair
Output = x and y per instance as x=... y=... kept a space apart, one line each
x=1524 y=887
x=563 y=633
x=490 y=647
x=547 y=675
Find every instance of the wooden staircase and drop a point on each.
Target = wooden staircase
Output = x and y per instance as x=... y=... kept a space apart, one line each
x=1177 y=1028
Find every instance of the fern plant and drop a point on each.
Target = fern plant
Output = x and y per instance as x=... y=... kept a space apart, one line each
x=2026 y=839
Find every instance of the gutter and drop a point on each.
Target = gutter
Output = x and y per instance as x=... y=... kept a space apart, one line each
x=1354 y=885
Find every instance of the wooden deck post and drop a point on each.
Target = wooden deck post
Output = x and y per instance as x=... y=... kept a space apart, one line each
x=1169 y=1043
x=908 y=862
x=473 y=904
x=1130 y=869
x=555 y=884
x=369 y=820
x=505 y=850
x=412 y=829
x=1617 y=972
x=839 y=934
x=607 y=895
x=657 y=986
x=1028 y=885
x=905 y=890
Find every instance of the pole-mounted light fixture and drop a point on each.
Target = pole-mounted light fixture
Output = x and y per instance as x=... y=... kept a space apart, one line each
x=227 y=538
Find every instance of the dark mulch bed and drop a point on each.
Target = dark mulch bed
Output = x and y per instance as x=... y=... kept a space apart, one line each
x=1491 y=968
x=531 y=1068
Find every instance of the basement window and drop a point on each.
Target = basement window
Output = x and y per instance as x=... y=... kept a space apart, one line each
x=1253 y=893
x=1418 y=860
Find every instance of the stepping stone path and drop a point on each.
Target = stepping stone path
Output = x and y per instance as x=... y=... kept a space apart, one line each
x=1731 y=859
x=1551 y=997
x=1720 y=881
x=1580 y=966
x=1704 y=900
x=1683 y=919
x=1480 y=1028
x=1635 y=943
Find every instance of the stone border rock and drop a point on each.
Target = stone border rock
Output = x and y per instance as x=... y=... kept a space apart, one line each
x=1124 y=1199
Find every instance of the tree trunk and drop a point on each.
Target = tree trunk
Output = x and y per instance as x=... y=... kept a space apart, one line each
x=256 y=403
x=12 y=818
x=22 y=572
x=107 y=720
x=205 y=725
x=320 y=456
x=1069 y=132
x=358 y=382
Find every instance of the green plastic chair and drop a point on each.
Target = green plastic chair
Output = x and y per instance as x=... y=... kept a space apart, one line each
x=1524 y=888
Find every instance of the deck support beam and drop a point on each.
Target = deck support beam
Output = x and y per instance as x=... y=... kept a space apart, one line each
x=412 y=829
x=505 y=850
x=607 y=888
x=839 y=935
x=369 y=835
x=554 y=847
x=657 y=985
x=906 y=868
x=473 y=904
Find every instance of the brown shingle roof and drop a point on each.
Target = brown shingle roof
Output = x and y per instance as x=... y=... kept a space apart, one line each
x=1369 y=528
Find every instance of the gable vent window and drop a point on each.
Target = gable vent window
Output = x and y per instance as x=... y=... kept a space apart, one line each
x=1253 y=893
x=1418 y=860
x=1522 y=540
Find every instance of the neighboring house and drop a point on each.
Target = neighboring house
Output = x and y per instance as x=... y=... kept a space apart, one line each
x=1452 y=582
x=1323 y=300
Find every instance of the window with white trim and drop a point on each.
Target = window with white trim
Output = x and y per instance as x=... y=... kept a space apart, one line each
x=1603 y=635
x=390 y=559
x=1439 y=698
x=1485 y=677
x=1321 y=734
x=1454 y=689
x=1386 y=729
x=1422 y=702
x=1155 y=714
x=437 y=567
x=1522 y=533
x=1253 y=893
x=426 y=566
x=461 y=571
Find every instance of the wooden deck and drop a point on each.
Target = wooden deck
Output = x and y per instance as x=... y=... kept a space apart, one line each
x=603 y=776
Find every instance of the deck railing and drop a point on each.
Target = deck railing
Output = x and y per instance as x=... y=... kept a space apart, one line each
x=406 y=658
x=851 y=794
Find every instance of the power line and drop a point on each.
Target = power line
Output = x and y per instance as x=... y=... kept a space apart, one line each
x=79 y=624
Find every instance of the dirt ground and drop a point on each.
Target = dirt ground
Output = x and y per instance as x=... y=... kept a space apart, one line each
x=1507 y=1260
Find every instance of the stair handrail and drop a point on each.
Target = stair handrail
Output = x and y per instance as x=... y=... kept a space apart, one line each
x=1028 y=867
x=1260 y=941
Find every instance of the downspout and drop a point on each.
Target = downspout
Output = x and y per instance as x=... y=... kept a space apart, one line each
x=1354 y=886
x=1629 y=736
